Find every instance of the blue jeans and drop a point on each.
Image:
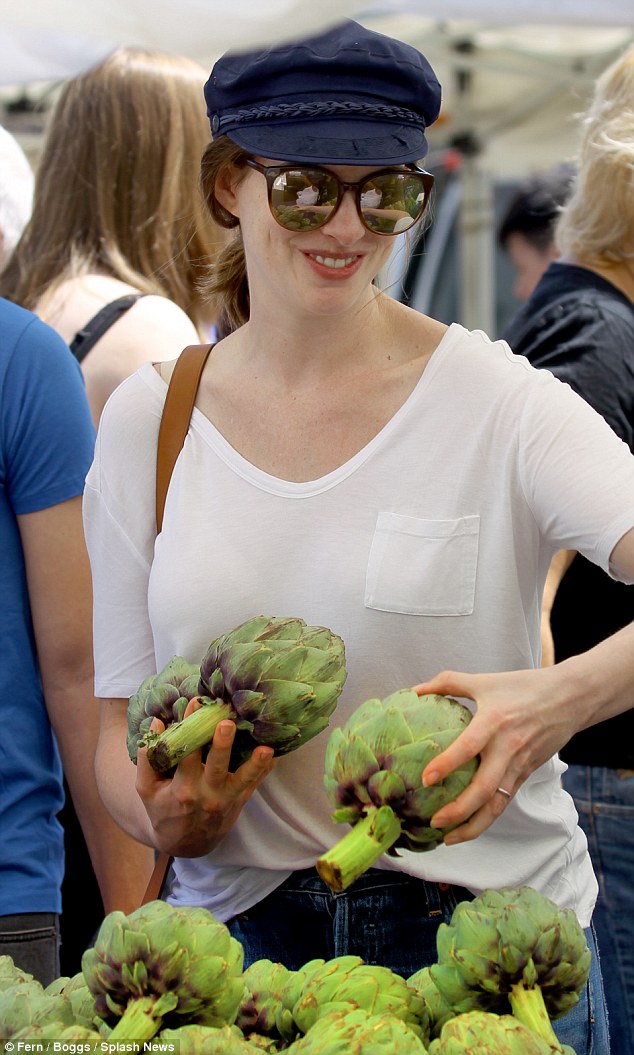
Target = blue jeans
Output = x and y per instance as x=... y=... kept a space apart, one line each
x=385 y=918
x=605 y=802
x=31 y=939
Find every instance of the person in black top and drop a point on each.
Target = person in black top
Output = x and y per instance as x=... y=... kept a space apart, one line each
x=579 y=324
x=527 y=229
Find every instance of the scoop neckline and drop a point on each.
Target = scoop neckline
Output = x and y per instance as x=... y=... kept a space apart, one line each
x=240 y=465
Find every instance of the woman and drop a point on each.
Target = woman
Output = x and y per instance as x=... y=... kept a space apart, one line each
x=579 y=324
x=116 y=215
x=357 y=464
x=111 y=258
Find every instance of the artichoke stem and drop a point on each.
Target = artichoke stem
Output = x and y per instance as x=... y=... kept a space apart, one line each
x=138 y=1022
x=182 y=738
x=370 y=838
x=529 y=1008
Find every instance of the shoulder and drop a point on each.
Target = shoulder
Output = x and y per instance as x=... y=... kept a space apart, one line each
x=21 y=325
x=33 y=353
x=159 y=321
x=131 y=416
x=152 y=330
x=570 y=306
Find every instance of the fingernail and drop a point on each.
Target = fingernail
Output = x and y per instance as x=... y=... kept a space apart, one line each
x=155 y=725
x=430 y=779
x=226 y=730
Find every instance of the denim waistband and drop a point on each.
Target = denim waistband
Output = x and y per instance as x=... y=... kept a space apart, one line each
x=307 y=880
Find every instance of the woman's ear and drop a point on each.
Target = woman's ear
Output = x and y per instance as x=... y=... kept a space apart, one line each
x=225 y=189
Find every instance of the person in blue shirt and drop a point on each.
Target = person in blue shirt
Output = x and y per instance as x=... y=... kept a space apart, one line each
x=47 y=710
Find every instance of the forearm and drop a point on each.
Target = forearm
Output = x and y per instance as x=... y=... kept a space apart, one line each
x=58 y=578
x=122 y=865
x=599 y=684
x=116 y=776
x=602 y=679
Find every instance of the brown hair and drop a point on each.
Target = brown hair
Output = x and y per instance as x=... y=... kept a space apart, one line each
x=227 y=281
x=117 y=184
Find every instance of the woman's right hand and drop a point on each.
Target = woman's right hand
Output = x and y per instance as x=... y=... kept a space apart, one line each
x=192 y=811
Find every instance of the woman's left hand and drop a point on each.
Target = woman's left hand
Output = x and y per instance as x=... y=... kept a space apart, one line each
x=520 y=722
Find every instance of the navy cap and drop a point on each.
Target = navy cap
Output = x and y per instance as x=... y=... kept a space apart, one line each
x=349 y=96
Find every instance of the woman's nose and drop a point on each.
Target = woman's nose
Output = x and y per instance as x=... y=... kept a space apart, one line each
x=346 y=225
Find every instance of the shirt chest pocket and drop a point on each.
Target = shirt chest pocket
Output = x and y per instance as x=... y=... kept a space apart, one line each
x=423 y=567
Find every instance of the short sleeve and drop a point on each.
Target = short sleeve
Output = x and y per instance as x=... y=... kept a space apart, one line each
x=47 y=431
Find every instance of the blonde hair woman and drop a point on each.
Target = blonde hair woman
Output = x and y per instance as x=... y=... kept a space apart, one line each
x=117 y=212
x=579 y=323
x=597 y=225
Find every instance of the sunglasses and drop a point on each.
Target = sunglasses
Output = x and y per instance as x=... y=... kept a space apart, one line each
x=305 y=197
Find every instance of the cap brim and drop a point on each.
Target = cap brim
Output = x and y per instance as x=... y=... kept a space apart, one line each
x=333 y=142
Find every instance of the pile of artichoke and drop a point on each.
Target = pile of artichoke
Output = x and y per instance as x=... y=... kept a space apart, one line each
x=511 y=951
x=277 y=678
x=176 y=975
x=373 y=779
x=162 y=962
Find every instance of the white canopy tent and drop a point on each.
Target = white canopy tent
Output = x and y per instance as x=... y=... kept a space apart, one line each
x=514 y=74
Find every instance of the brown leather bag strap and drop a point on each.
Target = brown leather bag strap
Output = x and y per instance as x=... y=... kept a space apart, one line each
x=177 y=412
x=162 y=865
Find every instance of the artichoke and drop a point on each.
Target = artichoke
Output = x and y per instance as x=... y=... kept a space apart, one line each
x=77 y=1002
x=373 y=778
x=164 y=695
x=354 y=1032
x=262 y=1003
x=527 y=956
x=290 y=995
x=11 y=975
x=163 y=961
x=27 y=1007
x=439 y=1009
x=348 y=983
x=206 y=1040
x=481 y=1033
x=278 y=679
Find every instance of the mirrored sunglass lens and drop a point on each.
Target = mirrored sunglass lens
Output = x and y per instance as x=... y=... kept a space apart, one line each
x=303 y=199
x=393 y=202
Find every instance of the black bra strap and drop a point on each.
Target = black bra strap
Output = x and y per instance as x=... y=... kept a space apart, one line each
x=94 y=330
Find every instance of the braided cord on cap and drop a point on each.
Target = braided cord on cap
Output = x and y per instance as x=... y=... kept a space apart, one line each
x=333 y=108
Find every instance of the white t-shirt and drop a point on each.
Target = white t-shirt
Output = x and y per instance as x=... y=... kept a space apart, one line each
x=427 y=550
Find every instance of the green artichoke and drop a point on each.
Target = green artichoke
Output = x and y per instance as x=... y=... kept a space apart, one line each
x=290 y=994
x=278 y=679
x=161 y=962
x=207 y=1040
x=262 y=1002
x=11 y=975
x=439 y=1009
x=373 y=778
x=526 y=955
x=164 y=695
x=482 y=1033
x=26 y=1006
x=347 y=983
x=79 y=1032
x=355 y=1032
x=82 y=1010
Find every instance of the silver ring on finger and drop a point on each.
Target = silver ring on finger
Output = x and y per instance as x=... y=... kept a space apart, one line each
x=504 y=792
